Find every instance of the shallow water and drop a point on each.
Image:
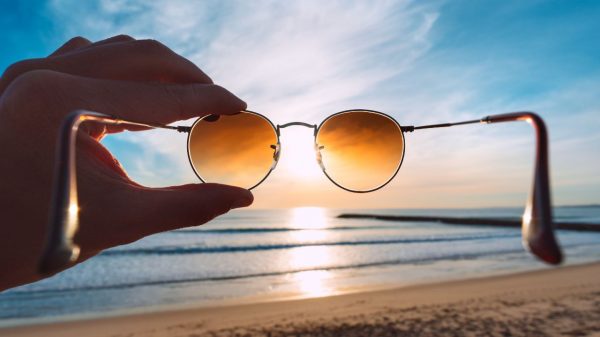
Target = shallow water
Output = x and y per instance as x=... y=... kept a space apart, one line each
x=302 y=252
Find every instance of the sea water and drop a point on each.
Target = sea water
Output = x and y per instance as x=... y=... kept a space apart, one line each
x=301 y=252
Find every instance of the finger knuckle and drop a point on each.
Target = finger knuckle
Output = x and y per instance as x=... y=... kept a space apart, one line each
x=29 y=81
x=123 y=37
x=14 y=70
x=152 y=46
x=40 y=84
x=78 y=40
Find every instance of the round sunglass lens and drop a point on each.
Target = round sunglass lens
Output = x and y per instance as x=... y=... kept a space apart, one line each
x=235 y=150
x=360 y=150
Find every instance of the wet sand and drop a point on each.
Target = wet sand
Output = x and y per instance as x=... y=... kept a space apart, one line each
x=552 y=302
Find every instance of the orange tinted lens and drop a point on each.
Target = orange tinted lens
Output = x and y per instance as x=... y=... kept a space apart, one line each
x=360 y=150
x=234 y=150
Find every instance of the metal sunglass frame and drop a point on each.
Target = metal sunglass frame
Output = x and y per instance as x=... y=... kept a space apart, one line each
x=316 y=128
x=61 y=251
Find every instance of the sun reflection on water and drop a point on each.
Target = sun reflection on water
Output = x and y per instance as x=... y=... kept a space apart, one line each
x=310 y=257
x=313 y=221
x=308 y=217
x=313 y=282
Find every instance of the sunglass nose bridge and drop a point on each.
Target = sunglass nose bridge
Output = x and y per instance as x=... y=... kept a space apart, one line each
x=306 y=125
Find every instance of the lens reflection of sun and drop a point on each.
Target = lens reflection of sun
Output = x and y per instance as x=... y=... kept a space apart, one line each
x=298 y=155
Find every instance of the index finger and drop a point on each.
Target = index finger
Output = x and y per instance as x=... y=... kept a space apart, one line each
x=160 y=103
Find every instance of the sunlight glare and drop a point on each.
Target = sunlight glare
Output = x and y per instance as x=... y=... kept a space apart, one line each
x=73 y=209
x=310 y=257
x=308 y=217
x=314 y=283
x=313 y=220
x=298 y=155
x=73 y=219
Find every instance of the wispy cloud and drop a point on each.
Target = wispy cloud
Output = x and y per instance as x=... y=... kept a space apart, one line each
x=298 y=60
x=303 y=60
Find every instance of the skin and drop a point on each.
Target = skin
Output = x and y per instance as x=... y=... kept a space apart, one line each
x=133 y=79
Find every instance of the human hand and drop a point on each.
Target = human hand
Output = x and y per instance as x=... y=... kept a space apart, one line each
x=133 y=79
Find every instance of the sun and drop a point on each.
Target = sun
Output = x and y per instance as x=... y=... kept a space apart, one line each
x=298 y=155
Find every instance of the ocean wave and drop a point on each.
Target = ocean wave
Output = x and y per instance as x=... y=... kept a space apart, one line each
x=18 y=294
x=178 y=250
x=391 y=262
x=253 y=230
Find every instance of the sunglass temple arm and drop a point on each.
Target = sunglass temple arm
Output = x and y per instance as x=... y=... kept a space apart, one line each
x=537 y=226
x=60 y=251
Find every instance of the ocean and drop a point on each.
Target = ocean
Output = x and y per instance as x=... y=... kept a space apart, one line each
x=250 y=255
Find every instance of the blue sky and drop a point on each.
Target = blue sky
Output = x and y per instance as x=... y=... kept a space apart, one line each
x=418 y=61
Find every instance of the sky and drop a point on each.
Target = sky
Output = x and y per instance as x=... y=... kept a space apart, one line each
x=418 y=61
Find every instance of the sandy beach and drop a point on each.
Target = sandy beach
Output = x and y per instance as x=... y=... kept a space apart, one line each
x=553 y=302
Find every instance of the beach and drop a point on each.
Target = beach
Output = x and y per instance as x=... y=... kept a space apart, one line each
x=562 y=301
x=310 y=272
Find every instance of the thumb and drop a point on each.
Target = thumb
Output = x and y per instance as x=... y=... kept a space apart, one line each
x=163 y=209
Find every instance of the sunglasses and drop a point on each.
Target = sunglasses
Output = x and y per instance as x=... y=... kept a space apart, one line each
x=358 y=150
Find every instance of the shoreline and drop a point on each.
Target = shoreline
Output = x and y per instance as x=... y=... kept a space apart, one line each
x=370 y=309
x=263 y=298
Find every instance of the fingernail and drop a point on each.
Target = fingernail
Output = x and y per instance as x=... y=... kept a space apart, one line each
x=243 y=105
x=243 y=202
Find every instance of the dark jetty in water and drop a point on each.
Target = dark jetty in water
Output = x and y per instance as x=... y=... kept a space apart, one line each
x=496 y=222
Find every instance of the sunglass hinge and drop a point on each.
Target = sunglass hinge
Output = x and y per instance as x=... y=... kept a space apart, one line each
x=184 y=129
